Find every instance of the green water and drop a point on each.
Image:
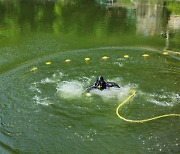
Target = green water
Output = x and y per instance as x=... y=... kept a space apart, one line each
x=47 y=110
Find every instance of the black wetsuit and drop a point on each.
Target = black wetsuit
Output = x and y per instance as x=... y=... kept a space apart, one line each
x=101 y=84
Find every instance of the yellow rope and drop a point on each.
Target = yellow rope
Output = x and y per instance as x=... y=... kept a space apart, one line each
x=173 y=52
x=139 y=121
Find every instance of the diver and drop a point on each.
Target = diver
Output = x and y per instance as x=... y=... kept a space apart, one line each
x=101 y=84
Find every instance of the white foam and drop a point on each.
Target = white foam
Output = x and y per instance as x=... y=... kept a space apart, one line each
x=118 y=93
x=42 y=101
x=165 y=99
x=76 y=88
x=70 y=89
x=119 y=64
x=56 y=77
x=47 y=80
x=161 y=103
x=34 y=87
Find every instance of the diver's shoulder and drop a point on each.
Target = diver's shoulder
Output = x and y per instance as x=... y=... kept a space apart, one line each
x=112 y=84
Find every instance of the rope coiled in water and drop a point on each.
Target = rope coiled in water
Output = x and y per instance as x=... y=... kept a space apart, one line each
x=143 y=120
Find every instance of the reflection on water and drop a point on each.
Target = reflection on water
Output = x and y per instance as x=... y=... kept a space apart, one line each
x=74 y=19
x=150 y=18
x=174 y=22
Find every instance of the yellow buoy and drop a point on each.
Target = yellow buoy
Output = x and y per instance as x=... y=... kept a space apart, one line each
x=105 y=57
x=165 y=53
x=33 y=69
x=88 y=94
x=126 y=56
x=48 y=63
x=68 y=60
x=145 y=55
x=87 y=59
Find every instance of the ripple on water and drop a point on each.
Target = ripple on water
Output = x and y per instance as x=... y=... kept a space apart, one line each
x=63 y=86
x=153 y=142
x=43 y=101
x=73 y=89
x=164 y=99
x=87 y=135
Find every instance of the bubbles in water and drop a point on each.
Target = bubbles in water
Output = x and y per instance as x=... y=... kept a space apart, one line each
x=56 y=77
x=42 y=101
x=34 y=87
x=161 y=103
x=118 y=93
x=74 y=89
x=87 y=135
x=70 y=89
x=119 y=64
x=47 y=80
x=165 y=99
x=151 y=142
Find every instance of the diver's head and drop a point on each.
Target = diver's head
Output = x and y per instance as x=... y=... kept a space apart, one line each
x=100 y=79
x=100 y=83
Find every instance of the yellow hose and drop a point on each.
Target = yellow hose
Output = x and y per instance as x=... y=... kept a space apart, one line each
x=139 y=121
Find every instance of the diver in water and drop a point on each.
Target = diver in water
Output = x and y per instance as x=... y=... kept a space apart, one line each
x=101 y=84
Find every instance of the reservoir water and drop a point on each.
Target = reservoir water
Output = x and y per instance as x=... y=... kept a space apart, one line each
x=44 y=107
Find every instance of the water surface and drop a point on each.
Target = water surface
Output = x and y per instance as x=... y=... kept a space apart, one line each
x=45 y=109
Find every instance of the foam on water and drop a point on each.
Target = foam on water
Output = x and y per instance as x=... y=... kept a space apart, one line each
x=75 y=89
x=47 y=80
x=70 y=89
x=163 y=99
x=117 y=93
x=161 y=103
x=56 y=77
x=42 y=101
x=119 y=64
x=34 y=87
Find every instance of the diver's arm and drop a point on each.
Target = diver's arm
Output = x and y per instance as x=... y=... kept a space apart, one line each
x=112 y=84
x=90 y=88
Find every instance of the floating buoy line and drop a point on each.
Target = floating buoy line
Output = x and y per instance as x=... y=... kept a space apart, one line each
x=87 y=59
x=133 y=92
